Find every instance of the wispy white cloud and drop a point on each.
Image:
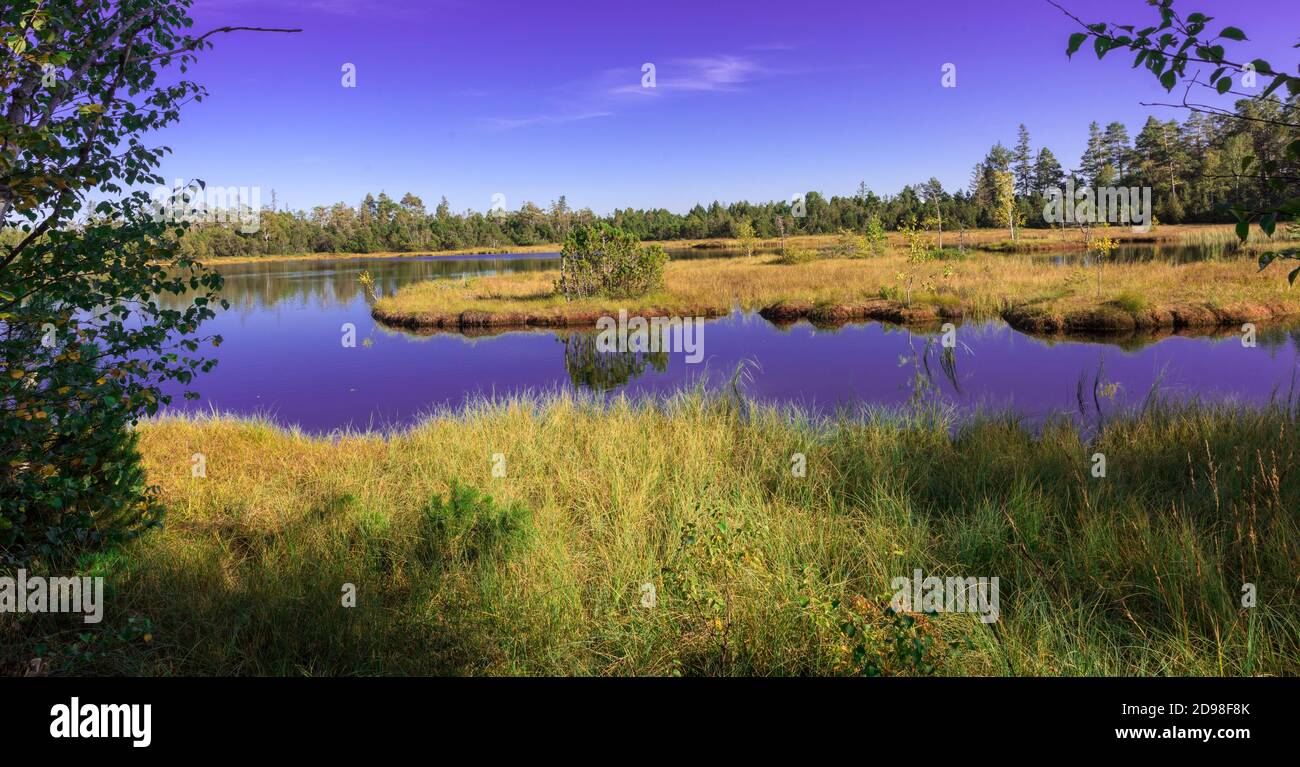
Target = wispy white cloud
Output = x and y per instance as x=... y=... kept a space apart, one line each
x=607 y=92
x=510 y=123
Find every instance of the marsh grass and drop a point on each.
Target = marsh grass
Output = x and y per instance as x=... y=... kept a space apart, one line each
x=983 y=285
x=1130 y=302
x=755 y=570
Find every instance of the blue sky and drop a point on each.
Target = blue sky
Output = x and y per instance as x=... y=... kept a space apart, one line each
x=754 y=100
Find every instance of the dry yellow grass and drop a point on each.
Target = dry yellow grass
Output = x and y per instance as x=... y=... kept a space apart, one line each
x=981 y=285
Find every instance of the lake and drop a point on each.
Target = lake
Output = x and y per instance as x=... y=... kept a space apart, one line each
x=283 y=356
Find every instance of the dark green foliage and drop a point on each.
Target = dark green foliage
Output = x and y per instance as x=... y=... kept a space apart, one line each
x=602 y=260
x=590 y=368
x=85 y=346
x=1267 y=116
x=469 y=527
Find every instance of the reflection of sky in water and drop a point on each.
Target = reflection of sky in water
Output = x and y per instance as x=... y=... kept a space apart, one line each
x=282 y=355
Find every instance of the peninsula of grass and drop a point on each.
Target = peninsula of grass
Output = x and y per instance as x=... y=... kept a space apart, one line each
x=676 y=537
x=1029 y=293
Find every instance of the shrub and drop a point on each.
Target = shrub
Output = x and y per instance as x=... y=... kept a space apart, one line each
x=602 y=260
x=744 y=233
x=850 y=245
x=797 y=256
x=469 y=527
x=74 y=483
x=919 y=248
x=875 y=236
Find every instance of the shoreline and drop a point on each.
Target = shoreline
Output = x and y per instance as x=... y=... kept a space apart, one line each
x=1101 y=321
x=538 y=569
x=982 y=240
x=1040 y=299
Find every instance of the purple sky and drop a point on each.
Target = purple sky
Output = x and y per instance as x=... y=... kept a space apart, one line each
x=755 y=100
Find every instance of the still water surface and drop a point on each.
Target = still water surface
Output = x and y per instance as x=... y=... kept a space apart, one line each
x=283 y=357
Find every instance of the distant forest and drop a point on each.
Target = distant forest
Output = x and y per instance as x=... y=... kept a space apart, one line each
x=1194 y=167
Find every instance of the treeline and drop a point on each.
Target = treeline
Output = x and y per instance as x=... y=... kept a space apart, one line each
x=1194 y=167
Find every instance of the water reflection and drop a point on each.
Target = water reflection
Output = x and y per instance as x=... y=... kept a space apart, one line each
x=283 y=357
x=256 y=285
x=590 y=368
x=1212 y=250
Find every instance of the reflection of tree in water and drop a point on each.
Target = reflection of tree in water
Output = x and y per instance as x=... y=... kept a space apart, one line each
x=925 y=387
x=601 y=371
x=334 y=282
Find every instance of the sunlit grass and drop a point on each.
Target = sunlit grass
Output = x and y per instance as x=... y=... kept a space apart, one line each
x=983 y=285
x=1139 y=572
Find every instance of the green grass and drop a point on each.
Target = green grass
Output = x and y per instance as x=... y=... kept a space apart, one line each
x=1130 y=301
x=754 y=570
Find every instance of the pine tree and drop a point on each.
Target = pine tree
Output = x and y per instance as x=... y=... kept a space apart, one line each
x=985 y=182
x=1094 y=156
x=1115 y=148
x=1024 y=164
x=1047 y=171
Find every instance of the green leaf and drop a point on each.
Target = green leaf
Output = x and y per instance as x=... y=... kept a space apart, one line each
x=1290 y=278
x=1232 y=33
x=1224 y=85
x=1277 y=83
x=1076 y=40
x=1243 y=230
x=1268 y=223
x=1169 y=80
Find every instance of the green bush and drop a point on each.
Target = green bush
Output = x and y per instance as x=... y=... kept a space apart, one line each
x=874 y=233
x=469 y=527
x=850 y=245
x=797 y=256
x=602 y=260
x=100 y=312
